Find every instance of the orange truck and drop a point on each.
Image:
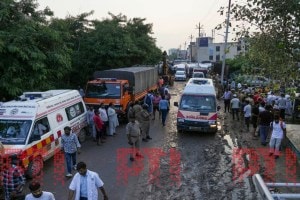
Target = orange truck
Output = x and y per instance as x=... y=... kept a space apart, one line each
x=121 y=87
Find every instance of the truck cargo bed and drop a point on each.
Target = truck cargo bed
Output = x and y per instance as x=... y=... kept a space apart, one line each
x=140 y=77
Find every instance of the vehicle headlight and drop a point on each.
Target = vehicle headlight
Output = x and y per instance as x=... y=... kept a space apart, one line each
x=180 y=120
x=212 y=122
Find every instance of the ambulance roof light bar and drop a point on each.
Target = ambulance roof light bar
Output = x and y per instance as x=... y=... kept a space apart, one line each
x=34 y=95
x=106 y=79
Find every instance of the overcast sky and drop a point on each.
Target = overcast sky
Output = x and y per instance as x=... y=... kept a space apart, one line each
x=174 y=21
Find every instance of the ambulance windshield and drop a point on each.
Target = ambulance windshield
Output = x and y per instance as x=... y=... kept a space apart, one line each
x=197 y=103
x=103 y=90
x=14 y=131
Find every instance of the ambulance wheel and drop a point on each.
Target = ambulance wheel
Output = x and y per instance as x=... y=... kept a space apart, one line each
x=35 y=167
x=82 y=135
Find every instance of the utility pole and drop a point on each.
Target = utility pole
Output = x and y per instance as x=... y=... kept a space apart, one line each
x=185 y=56
x=225 y=45
x=191 y=37
x=199 y=27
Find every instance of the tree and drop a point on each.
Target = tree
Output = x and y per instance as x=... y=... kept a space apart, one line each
x=32 y=56
x=140 y=32
x=115 y=42
x=272 y=30
x=40 y=52
x=74 y=31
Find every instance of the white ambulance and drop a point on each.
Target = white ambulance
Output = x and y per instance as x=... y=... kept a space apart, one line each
x=197 y=109
x=32 y=125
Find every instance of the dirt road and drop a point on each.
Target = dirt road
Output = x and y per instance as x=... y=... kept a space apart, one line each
x=220 y=168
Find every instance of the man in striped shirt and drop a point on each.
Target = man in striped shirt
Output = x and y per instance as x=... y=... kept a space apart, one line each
x=13 y=179
x=70 y=145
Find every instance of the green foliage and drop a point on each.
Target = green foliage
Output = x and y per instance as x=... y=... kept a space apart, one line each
x=114 y=42
x=32 y=56
x=38 y=54
x=271 y=31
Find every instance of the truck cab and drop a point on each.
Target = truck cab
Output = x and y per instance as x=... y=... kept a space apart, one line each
x=108 y=90
x=121 y=87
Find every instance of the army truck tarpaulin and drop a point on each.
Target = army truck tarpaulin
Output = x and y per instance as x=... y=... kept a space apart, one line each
x=120 y=87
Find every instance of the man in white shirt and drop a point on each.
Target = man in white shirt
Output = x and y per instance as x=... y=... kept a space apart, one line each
x=104 y=117
x=270 y=98
x=227 y=98
x=232 y=85
x=239 y=85
x=37 y=193
x=90 y=121
x=235 y=106
x=85 y=184
x=247 y=114
x=278 y=129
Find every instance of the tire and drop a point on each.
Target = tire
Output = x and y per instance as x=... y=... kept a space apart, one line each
x=82 y=135
x=35 y=167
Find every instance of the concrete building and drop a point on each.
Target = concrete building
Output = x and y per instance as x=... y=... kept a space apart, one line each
x=207 y=50
x=204 y=49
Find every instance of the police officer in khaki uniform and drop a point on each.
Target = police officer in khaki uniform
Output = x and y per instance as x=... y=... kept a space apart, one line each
x=133 y=132
x=145 y=123
x=137 y=110
x=137 y=107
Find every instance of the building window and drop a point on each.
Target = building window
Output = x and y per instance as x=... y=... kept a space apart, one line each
x=217 y=57
x=211 y=57
x=217 y=48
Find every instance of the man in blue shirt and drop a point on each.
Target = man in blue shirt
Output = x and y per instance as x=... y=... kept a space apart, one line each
x=163 y=108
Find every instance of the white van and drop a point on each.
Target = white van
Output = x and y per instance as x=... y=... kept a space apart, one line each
x=180 y=67
x=201 y=82
x=197 y=109
x=198 y=75
x=32 y=125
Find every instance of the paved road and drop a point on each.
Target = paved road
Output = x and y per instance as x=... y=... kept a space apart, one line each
x=205 y=165
x=101 y=159
x=206 y=168
x=104 y=160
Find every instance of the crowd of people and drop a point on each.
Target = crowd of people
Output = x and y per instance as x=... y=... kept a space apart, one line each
x=85 y=184
x=102 y=123
x=263 y=114
x=140 y=114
